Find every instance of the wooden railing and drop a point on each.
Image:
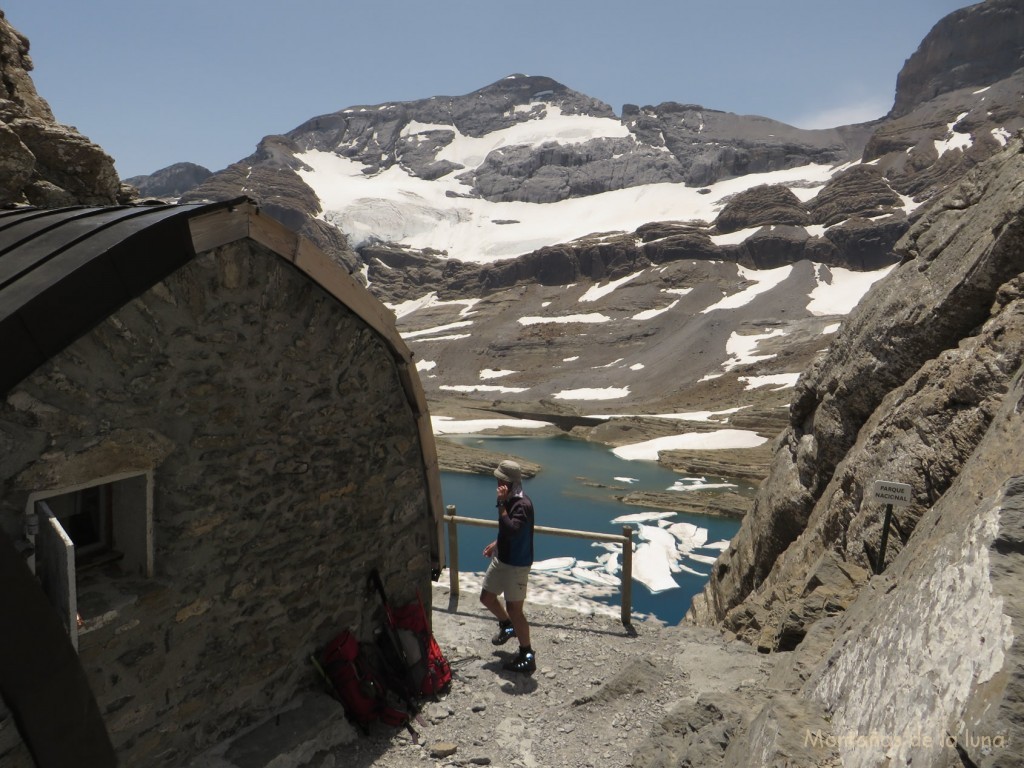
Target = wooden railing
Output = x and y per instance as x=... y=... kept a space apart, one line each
x=625 y=539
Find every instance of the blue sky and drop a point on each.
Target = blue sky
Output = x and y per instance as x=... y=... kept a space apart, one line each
x=156 y=82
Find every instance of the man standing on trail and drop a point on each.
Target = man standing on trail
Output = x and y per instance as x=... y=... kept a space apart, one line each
x=511 y=558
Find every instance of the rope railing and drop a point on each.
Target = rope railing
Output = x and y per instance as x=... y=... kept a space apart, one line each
x=625 y=539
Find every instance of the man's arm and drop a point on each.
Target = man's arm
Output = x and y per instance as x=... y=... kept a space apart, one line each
x=514 y=519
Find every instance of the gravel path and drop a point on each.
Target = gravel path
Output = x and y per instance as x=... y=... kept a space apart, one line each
x=601 y=696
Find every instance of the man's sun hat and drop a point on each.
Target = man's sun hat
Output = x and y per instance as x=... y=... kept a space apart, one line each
x=509 y=471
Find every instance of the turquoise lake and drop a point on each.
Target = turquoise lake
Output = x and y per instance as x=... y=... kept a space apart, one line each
x=576 y=489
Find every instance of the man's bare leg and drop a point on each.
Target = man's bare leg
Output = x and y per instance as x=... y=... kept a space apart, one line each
x=493 y=604
x=519 y=622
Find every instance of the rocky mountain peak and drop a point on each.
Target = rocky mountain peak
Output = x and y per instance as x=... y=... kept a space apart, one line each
x=42 y=162
x=528 y=90
x=414 y=135
x=16 y=86
x=974 y=46
x=532 y=139
x=170 y=182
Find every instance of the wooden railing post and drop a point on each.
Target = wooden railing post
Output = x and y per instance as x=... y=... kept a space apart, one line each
x=453 y=554
x=627 y=576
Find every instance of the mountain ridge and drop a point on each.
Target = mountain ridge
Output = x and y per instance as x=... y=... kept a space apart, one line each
x=911 y=655
x=430 y=198
x=671 y=143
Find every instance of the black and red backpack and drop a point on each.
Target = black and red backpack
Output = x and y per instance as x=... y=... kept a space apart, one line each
x=385 y=681
x=356 y=684
x=416 y=665
x=429 y=672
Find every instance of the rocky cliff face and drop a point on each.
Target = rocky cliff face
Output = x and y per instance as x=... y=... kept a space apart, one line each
x=913 y=655
x=922 y=386
x=978 y=44
x=961 y=88
x=913 y=397
x=42 y=162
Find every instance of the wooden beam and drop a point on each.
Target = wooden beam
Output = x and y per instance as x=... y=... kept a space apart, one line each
x=220 y=227
x=274 y=235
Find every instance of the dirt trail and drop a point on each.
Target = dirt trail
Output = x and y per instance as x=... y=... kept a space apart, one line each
x=601 y=696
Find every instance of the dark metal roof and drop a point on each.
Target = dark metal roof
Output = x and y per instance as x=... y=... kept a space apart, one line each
x=63 y=270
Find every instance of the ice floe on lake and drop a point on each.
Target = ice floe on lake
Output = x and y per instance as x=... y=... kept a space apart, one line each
x=660 y=550
x=703 y=558
x=593 y=575
x=642 y=517
x=554 y=564
x=697 y=484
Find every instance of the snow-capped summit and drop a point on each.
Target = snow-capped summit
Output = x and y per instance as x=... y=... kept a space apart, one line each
x=485 y=219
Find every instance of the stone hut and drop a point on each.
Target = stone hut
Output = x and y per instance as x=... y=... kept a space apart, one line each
x=210 y=434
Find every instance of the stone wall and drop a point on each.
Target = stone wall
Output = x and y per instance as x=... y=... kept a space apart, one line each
x=285 y=465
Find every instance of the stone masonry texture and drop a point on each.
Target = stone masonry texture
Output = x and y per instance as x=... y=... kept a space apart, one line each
x=285 y=465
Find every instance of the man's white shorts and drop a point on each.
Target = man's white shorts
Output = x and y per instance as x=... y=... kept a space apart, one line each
x=510 y=580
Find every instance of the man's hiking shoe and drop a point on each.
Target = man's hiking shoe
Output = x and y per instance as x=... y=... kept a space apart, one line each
x=524 y=661
x=505 y=633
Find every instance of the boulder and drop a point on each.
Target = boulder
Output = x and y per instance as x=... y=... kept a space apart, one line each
x=16 y=165
x=44 y=163
x=859 y=191
x=700 y=731
x=695 y=244
x=69 y=169
x=771 y=247
x=866 y=244
x=764 y=205
x=16 y=86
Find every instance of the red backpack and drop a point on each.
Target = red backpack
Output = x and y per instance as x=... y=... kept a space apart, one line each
x=429 y=671
x=355 y=683
x=417 y=666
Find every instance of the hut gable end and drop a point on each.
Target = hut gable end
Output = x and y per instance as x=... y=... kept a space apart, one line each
x=252 y=412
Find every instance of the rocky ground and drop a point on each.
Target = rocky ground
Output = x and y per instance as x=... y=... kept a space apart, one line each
x=602 y=695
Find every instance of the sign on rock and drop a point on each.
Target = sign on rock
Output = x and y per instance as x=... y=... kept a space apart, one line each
x=897 y=494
